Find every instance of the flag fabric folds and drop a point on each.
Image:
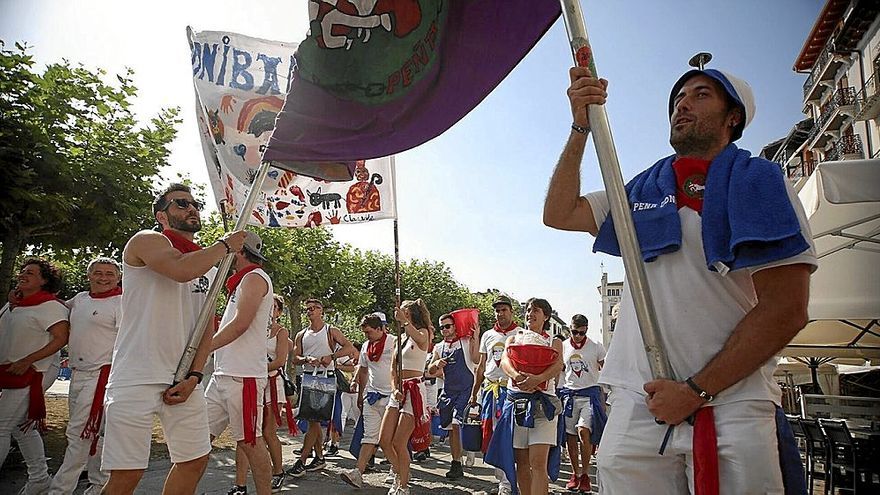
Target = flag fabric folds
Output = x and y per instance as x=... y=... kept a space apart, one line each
x=241 y=84
x=379 y=77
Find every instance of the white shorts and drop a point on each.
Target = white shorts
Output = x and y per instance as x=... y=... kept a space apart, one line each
x=629 y=462
x=544 y=433
x=279 y=391
x=373 y=420
x=128 y=414
x=581 y=416
x=225 y=407
x=408 y=406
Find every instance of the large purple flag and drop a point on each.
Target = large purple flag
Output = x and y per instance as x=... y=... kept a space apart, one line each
x=377 y=77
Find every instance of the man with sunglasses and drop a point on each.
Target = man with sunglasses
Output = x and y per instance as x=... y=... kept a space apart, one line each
x=581 y=400
x=456 y=360
x=312 y=349
x=165 y=275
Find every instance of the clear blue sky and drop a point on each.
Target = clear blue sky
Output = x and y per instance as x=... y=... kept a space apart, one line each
x=473 y=196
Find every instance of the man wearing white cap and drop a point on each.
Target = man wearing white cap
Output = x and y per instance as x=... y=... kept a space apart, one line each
x=728 y=257
x=235 y=392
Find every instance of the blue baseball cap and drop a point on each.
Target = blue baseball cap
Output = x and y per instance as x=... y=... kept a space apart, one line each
x=739 y=91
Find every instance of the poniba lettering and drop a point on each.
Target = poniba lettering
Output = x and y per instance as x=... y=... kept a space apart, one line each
x=237 y=64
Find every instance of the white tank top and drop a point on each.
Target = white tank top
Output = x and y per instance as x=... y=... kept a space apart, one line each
x=316 y=344
x=413 y=358
x=158 y=316
x=245 y=356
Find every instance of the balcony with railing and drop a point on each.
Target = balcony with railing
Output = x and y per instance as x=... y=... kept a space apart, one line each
x=832 y=116
x=848 y=147
x=801 y=169
x=868 y=99
x=824 y=72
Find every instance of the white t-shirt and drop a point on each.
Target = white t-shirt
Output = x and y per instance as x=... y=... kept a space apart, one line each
x=697 y=311
x=245 y=357
x=581 y=365
x=492 y=345
x=379 y=372
x=24 y=330
x=158 y=317
x=94 y=324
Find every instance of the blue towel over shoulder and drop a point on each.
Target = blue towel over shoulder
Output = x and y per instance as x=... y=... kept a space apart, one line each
x=747 y=217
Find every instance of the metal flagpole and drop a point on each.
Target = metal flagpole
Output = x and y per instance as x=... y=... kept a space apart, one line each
x=205 y=314
x=397 y=273
x=614 y=188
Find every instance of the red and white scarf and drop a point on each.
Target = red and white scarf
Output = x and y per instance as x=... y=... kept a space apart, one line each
x=375 y=348
x=180 y=243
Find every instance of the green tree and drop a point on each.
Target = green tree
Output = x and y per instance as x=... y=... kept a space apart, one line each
x=76 y=168
x=307 y=263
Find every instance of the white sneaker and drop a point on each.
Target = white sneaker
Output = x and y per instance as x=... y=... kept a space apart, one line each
x=469 y=460
x=403 y=490
x=395 y=485
x=504 y=489
x=390 y=478
x=36 y=488
x=353 y=477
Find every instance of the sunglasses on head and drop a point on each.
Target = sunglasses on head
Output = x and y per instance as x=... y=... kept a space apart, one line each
x=448 y=325
x=184 y=203
x=576 y=332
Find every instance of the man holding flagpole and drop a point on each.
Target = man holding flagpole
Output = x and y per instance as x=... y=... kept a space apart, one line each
x=164 y=275
x=728 y=256
x=235 y=392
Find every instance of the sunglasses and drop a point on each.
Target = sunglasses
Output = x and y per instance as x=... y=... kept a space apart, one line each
x=448 y=325
x=575 y=332
x=183 y=204
x=312 y=308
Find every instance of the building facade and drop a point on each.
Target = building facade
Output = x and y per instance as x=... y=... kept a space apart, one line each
x=841 y=58
x=610 y=293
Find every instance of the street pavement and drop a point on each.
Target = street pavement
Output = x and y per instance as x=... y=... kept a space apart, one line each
x=428 y=476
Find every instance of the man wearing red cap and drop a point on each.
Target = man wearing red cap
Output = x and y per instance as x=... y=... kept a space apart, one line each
x=728 y=256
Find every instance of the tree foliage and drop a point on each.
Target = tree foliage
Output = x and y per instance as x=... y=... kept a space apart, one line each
x=76 y=167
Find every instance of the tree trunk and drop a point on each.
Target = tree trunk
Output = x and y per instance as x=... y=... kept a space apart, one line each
x=13 y=244
x=295 y=326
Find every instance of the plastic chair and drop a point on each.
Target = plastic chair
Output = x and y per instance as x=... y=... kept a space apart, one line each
x=817 y=451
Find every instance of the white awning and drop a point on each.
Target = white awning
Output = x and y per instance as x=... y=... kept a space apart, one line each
x=842 y=202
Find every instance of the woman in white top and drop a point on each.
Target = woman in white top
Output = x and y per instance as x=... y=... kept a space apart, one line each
x=276 y=350
x=408 y=392
x=531 y=446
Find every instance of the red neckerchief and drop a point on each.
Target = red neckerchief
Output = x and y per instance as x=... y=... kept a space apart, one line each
x=96 y=412
x=575 y=345
x=690 y=177
x=235 y=279
x=180 y=243
x=504 y=331
x=375 y=348
x=116 y=291
x=34 y=299
x=453 y=339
